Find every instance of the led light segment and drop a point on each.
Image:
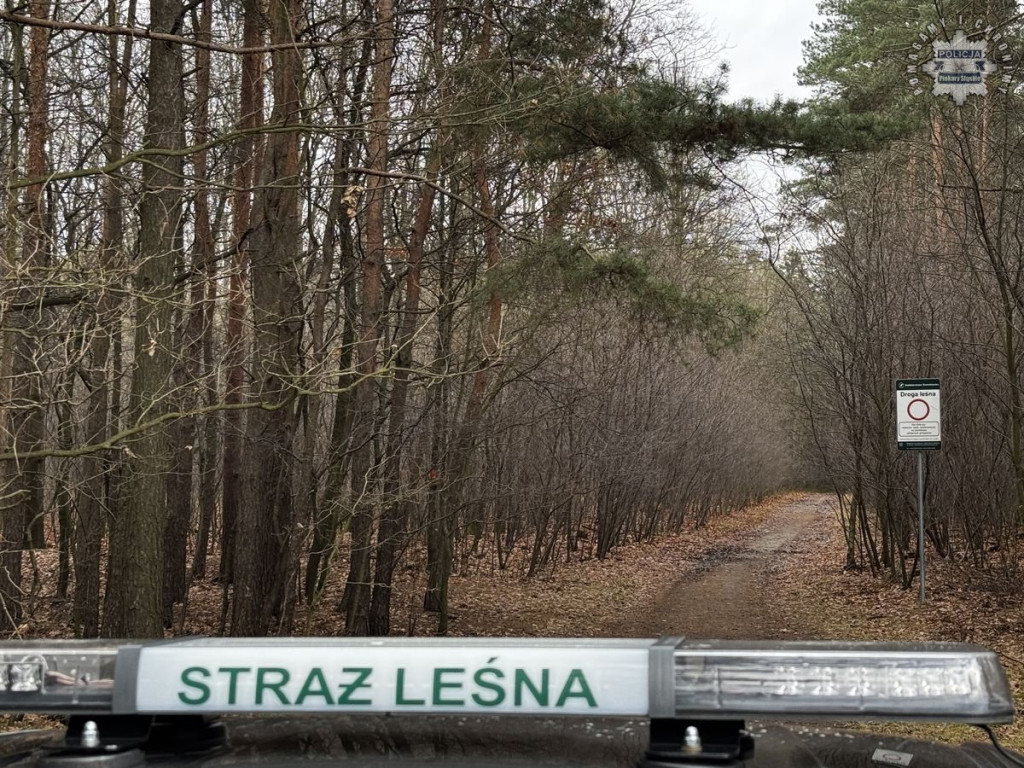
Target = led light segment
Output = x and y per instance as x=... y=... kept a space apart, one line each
x=928 y=681
x=26 y=676
x=56 y=676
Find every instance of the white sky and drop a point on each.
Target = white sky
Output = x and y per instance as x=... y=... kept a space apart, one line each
x=762 y=40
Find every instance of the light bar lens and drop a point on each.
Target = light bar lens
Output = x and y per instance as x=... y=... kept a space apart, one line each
x=671 y=678
x=57 y=676
x=927 y=681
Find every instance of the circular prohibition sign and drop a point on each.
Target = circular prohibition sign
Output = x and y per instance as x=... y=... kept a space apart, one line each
x=918 y=409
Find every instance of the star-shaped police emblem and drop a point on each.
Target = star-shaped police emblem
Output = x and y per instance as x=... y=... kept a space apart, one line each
x=959 y=64
x=959 y=67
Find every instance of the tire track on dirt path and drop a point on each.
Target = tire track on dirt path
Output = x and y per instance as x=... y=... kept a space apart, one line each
x=731 y=598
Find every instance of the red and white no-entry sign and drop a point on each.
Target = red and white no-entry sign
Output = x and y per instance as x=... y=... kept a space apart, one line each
x=918 y=422
x=918 y=409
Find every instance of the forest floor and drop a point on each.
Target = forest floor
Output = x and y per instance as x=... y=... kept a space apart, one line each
x=772 y=571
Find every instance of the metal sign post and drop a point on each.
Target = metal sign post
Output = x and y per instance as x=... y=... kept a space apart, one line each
x=919 y=428
x=920 y=520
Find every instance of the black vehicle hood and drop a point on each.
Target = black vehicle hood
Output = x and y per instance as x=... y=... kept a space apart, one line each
x=514 y=742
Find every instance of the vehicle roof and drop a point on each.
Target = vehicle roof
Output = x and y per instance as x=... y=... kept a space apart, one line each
x=512 y=742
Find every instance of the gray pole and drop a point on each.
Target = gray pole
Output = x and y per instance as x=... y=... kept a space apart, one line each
x=920 y=518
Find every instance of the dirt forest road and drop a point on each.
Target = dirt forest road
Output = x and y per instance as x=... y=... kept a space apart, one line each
x=731 y=598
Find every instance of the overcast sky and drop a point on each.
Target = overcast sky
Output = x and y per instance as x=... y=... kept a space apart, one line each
x=762 y=39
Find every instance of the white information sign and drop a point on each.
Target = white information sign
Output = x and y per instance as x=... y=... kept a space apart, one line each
x=337 y=678
x=918 y=415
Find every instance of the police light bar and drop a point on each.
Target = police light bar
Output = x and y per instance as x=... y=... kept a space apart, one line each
x=57 y=675
x=665 y=679
x=870 y=681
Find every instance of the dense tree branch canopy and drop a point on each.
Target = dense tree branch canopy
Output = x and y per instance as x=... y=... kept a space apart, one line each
x=310 y=297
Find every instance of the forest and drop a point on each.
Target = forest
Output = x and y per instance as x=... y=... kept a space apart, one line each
x=299 y=292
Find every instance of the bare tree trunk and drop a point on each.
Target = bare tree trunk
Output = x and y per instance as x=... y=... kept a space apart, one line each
x=396 y=508
x=188 y=369
x=439 y=514
x=11 y=527
x=204 y=299
x=265 y=518
x=356 y=599
x=338 y=234
x=134 y=592
x=64 y=499
x=36 y=253
x=94 y=501
x=250 y=108
x=208 y=449
x=23 y=518
x=392 y=522
x=438 y=572
x=181 y=437
x=325 y=524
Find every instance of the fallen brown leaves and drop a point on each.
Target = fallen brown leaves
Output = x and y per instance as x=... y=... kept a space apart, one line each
x=590 y=598
x=818 y=599
x=810 y=596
